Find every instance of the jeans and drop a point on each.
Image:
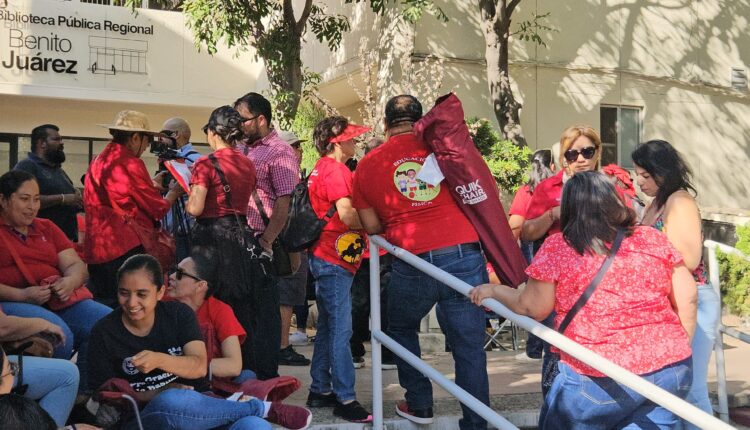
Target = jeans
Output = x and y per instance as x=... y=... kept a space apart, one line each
x=411 y=296
x=185 y=409
x=332 y=368
x=583 y=402
x=53 y=382
x=245 y=375
x=76 y=321
x=709 y=312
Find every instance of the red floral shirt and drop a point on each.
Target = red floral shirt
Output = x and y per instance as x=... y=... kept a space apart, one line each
x=629 y=319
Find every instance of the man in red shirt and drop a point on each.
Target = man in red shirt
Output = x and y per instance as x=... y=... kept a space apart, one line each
x=426 y=221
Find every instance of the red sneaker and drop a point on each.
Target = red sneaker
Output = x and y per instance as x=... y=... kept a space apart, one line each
x=419 y=416
x=289 y=416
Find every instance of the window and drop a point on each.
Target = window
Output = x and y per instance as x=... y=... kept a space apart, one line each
x=621 y=132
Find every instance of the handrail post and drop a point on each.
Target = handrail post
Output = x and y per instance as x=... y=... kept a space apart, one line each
x=721 y=375
x=377 y=369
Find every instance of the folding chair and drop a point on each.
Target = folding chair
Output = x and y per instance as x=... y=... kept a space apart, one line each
x=499 y=325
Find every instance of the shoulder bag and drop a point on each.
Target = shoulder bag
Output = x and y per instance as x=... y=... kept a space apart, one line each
x=280 y=257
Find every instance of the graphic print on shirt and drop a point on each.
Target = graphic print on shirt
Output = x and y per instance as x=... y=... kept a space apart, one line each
x=406 y=182
x=350 y=246
x=152 y=381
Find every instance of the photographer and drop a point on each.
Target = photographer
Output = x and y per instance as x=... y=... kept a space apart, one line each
x=176 y=145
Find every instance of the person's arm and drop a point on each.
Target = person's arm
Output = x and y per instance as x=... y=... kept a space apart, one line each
x=370 y=221
x=15 y=328
x=197 y=200
x=682 y=225
x=537 y=300
x=516 y=222
x=348 y=214
x=74 y=273
x=684 y=298
x=276 y=221
x=75 y=199
x=534 y=229
x=230 y=364
x=191 y=365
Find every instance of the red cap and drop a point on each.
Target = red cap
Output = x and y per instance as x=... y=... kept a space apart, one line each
x=350 y=132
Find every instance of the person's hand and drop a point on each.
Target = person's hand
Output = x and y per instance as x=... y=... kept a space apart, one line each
x=75 y=199
x=53 y=331
x=555 y=213
x=175 y=187
x=481 y=292
x=63 y=288
x=158 y=181
x=37 y=294
x=146 y=361
x=268 y=246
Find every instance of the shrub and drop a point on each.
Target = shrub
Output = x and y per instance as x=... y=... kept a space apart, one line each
x=735 y=276
x=308 y=115
x=507 y=162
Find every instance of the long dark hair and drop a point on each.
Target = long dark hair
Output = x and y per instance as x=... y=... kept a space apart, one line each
x=591 y=212
x=666 y=166
x=540 y=170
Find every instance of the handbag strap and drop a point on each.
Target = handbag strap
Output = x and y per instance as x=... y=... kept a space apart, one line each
x=17 y=258
x=594 y=282
x=226 y=187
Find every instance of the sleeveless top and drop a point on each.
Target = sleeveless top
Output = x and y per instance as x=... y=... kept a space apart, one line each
x=699 y=274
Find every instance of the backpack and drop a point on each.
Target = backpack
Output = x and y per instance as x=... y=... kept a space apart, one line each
x=303 y=227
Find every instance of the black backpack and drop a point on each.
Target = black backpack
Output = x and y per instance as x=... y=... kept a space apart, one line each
x=303 y=227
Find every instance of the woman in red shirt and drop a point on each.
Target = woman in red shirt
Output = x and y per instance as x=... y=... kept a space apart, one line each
x=641 y=315
x=334 y=259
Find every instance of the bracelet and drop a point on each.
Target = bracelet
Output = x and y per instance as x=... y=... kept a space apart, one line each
x=63 y=199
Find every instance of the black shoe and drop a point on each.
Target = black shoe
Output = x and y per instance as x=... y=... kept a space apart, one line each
x=359 y=362
x=317 y=400
x=353 y=412
x=419 y=416
x=289 y=357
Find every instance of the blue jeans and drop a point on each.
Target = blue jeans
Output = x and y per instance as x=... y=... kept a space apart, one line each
x=709 y=312
x=185 y=409
x=583 y=402
x=245 y=375
x=411 y=296
x=332 y=368
x=76 y=321
x=53 y=382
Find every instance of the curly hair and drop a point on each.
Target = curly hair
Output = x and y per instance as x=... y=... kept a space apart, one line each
x=327 y=129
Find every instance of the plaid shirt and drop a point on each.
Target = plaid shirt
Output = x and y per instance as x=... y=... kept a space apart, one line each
x=277 y=170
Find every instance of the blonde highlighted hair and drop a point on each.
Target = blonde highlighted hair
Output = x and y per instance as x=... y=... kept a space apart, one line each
x=572 y=133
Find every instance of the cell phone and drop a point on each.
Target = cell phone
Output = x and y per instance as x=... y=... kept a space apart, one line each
x=50 y=337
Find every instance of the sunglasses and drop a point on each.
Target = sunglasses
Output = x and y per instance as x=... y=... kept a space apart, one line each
x=572 y=154
x=179 y=273
x=12 y=369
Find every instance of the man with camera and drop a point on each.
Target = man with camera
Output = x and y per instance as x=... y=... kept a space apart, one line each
x=176 y=146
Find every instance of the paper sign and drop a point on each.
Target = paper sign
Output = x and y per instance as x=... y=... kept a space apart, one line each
x=430 y=171
x=181 y=172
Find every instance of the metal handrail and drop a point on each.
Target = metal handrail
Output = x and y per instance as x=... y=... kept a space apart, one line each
x=617 y=373
x=715 y=278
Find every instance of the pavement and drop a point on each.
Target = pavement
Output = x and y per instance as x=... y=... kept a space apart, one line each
x=514 y=387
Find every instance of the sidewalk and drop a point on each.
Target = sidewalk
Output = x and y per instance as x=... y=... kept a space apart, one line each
x=514 y=388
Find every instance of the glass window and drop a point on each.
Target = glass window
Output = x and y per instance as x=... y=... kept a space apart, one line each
x=620 y=132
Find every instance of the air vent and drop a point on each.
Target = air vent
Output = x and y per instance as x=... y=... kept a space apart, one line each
x=739 y=79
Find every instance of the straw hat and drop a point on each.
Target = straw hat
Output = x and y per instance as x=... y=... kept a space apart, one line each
x=130 y=120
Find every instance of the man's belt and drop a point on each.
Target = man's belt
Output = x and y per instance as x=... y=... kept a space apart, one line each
x=473 y=246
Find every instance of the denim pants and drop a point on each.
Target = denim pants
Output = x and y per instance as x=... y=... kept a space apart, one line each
x=709 y=312
x=411 y=296
x=76 y=321
x=583 y=402
x=332 y=368
x=185 y=409
x=53 y=382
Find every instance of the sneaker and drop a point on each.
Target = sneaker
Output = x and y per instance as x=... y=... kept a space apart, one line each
x=289 y=416
x=289 y=357
x=353 y=412
x=317 y=400
x=419 y=416
x=298 y=338
x=524 y=357
x=388 y=365
x=359 y=362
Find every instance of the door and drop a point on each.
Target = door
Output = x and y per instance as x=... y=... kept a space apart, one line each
x=8 y=151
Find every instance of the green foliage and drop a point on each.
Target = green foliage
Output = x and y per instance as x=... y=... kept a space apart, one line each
x=507 y=161
x=735 y=276
x=412 y=10
x=530 y=30
x=308 y=115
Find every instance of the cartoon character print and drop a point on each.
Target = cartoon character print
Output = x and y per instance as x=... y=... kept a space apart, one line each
x=350 y=246
x=406 y=182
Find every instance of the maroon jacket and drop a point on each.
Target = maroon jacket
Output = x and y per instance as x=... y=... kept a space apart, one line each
x=472 y=186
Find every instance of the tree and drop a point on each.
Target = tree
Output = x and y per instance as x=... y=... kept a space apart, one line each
x=271 y=27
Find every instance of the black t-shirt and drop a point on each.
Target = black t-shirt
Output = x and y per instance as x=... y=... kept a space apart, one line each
x=112 y=346
x=53 y=181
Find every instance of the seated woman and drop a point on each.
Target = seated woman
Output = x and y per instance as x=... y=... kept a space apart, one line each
x=192 y=283
x=641 y=315
x=157 y=347
x=46 y=253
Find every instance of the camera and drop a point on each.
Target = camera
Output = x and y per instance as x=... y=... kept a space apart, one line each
x=165 y=148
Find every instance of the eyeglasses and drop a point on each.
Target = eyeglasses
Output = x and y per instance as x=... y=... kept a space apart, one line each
x=572 y=154
x=12 y=369
x=179 y=273
x=249 y=119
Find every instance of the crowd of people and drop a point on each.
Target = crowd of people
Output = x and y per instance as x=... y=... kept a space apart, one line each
x=174 y=324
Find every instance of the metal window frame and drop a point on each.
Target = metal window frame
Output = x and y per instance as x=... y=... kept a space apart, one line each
x=618 y=144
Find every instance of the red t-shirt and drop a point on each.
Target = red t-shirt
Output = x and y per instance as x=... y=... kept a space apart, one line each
x=629 y=319
x=329 y=181
x=547 y=195
x=218 y=315
x=39 y=251
x=520 y=201
x=240 y=174
x=416 y=216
